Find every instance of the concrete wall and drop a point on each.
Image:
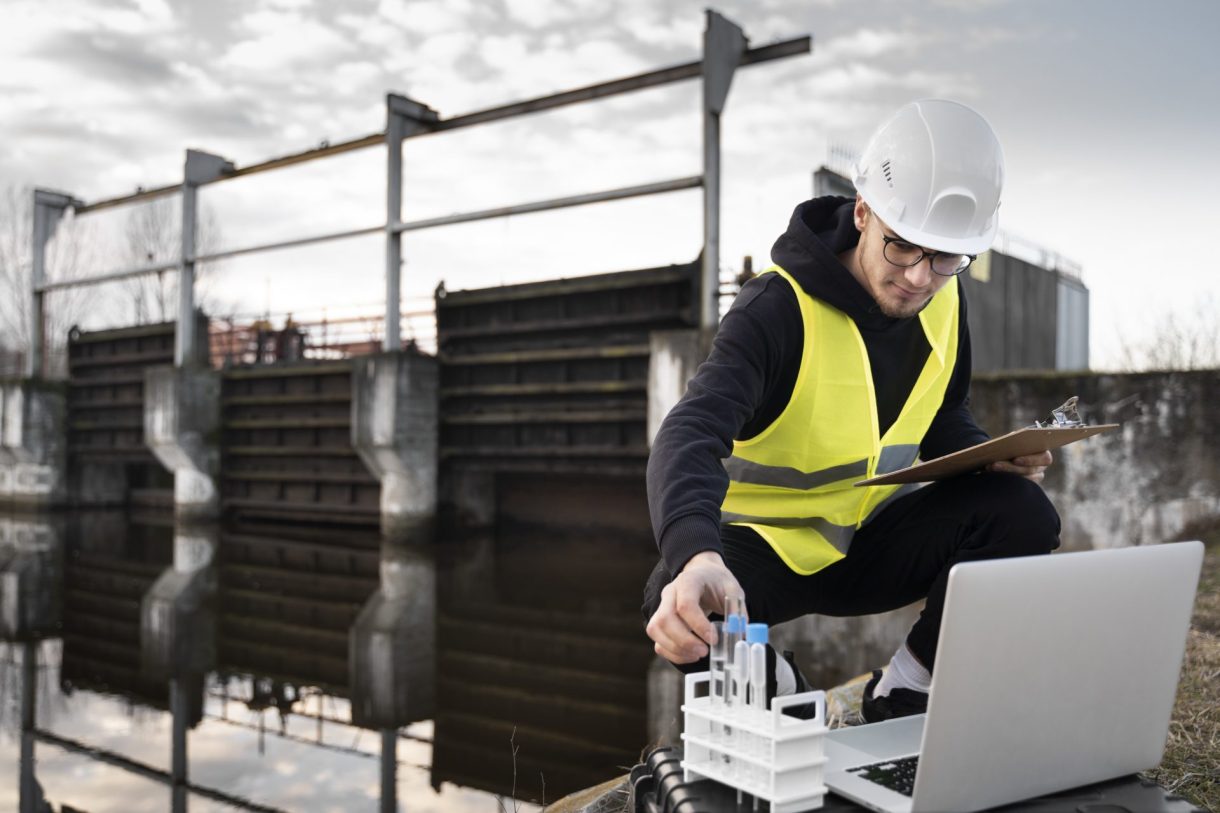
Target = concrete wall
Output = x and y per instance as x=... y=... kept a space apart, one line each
x=33 y=443
x=1144 y=483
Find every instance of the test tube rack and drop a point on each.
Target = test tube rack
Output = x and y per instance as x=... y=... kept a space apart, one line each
x=763 y=752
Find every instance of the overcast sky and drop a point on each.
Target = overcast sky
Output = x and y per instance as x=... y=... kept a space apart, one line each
x=1108 y=111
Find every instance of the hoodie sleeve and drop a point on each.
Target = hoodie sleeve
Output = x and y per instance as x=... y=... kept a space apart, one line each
x=954 y=428
x=686 y=478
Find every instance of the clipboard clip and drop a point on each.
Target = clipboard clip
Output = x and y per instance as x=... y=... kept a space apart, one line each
x=1062 y=416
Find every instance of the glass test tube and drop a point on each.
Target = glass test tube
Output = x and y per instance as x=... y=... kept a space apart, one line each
x=734 y=632
x=717 y=656
x=756 y=640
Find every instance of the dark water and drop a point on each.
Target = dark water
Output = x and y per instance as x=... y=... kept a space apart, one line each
x=532 y=640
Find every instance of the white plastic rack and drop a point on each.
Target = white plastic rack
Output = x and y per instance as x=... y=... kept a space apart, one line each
x=763 y=752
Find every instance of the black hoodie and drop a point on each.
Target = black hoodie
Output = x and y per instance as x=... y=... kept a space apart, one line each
x=748 y=377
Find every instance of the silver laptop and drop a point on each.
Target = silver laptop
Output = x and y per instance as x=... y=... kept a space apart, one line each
x=1051 y=672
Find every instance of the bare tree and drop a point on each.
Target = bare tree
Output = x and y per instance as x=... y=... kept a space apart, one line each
x=71 y=251
x=154 y=233
x=1188 y=340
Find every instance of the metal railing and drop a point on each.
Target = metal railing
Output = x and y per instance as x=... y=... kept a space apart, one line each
x=724 y=49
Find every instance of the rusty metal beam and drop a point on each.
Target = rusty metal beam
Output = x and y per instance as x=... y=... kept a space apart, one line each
x=692 y=182
x=664 y=76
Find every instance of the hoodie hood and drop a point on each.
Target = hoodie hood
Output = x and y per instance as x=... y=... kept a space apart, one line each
x=821 y=229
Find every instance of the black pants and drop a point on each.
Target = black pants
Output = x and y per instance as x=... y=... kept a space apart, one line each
x=900 y=556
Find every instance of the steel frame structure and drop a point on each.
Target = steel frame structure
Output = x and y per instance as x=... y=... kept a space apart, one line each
x=725 y=48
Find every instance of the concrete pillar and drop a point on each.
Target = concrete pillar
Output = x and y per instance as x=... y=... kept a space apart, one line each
x=178 y=639
x=31 y=798
x=665 y=688
x=31 y=573
x=389 y=771
x=33 y=454
x=674 y=356
x=394 y=430
x=179 y=706
x=392 y=644
x=177 y=615
x=182 y=428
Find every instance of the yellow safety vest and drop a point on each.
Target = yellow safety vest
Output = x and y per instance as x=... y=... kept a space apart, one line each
x=792 y=483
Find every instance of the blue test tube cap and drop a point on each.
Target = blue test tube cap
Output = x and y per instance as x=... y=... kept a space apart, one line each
x=756 y=633
x=735 y=624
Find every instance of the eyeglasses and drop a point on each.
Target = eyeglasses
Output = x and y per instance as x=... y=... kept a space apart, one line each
x=905 y=255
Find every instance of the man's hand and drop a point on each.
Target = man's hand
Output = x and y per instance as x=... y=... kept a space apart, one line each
x=1030 y=466
x=680 y=628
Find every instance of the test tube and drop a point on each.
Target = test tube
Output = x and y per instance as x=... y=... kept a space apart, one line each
x=716 y=661
x=734 y=633
x=756 y=641
x=741 y=685
x=756 y=637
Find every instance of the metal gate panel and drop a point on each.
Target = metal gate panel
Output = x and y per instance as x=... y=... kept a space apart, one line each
x=552 y=376
x=106 y=390
x=286 y=446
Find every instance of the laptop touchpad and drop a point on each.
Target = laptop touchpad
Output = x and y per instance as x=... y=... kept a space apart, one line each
x=892 y=738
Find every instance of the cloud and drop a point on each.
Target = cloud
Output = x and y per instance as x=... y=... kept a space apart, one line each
x=859 y=78
x=865 y=43
x=426 y=17
x=277 y=41
x=109 y=56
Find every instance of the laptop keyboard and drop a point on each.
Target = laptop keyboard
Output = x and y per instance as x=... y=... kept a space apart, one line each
x=896 y=774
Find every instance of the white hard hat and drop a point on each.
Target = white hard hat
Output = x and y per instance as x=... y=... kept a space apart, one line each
x=933 y=174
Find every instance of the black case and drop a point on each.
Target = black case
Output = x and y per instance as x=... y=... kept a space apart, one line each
x=657 y=787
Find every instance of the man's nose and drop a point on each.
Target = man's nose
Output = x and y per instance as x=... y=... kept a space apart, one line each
x=920 y=274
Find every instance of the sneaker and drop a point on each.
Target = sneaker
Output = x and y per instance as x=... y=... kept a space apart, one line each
x=898 y=703
x=805 y=711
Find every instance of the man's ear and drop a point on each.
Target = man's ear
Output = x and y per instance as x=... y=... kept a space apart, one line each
x=860 y=214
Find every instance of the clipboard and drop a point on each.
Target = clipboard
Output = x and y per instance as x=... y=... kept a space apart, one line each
x=1031 y=440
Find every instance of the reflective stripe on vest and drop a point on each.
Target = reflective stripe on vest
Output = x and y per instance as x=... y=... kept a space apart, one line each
x=793 y=482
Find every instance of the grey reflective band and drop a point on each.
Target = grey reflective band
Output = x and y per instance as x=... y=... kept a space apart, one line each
x=901 y=492
x=894 y=458
x=839 y=536
x=757 y=474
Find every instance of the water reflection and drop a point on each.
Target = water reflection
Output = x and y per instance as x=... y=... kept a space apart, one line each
x=144 y=667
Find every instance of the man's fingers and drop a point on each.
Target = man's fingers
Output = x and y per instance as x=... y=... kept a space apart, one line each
x=1039 y=460
x=680 y=629
x=671 y=656
x=1035 y=473
x=671 y=632
x=691 y=614
x=672 y=635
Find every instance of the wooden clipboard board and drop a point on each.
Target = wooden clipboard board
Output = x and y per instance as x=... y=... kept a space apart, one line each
x=1014 y=444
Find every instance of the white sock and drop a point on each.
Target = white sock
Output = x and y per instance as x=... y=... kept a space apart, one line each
x=785 y=680
x=904 y=672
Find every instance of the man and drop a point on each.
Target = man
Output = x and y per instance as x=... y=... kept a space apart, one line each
x=847 y=359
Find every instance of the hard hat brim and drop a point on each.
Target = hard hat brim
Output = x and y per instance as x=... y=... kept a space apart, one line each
x=948 y=245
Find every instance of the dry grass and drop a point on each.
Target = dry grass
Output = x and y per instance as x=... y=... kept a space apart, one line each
x=1191 y=767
